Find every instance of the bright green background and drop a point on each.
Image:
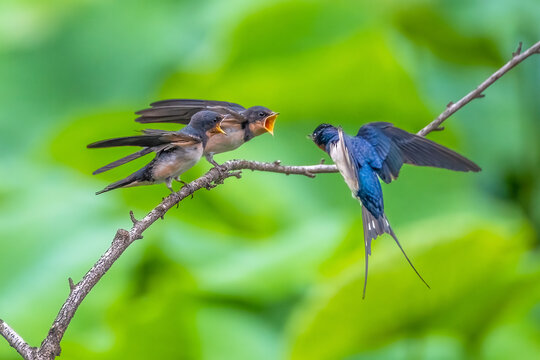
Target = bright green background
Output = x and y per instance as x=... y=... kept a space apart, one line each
x=271 y=266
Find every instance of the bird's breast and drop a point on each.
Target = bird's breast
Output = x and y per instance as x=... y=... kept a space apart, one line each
x=340 y=156
x=222 y=143
x=176 y=161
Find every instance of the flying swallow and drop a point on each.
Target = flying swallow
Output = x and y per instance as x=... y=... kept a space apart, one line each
x=378 y=151
x=240 y=124
x=176 y=151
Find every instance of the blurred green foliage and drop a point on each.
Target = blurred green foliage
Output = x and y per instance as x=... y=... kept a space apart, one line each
x=270 y=266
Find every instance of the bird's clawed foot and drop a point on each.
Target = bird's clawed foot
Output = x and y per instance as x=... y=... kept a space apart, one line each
x=185 y=185
x=211 y=160
x=168 y=182
x=181 y=181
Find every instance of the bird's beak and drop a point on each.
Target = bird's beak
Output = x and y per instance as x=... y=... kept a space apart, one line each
x=218 y=130
x=269 y=122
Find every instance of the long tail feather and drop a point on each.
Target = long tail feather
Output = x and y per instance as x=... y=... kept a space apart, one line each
x=366 y=273
x=138 y=140
x=123 y=160
x=406 y=257
x=373 y=227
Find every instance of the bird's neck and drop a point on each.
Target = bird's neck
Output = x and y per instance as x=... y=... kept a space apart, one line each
x=190 y=130
x=329 y=138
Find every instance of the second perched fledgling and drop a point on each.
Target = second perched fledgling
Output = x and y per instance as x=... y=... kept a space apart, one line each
x=241 y=124
x=176 y=151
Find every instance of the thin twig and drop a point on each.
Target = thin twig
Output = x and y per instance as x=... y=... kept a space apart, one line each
x=71 y=284
x=517 y=57
x=50 y=347
x=132 y=217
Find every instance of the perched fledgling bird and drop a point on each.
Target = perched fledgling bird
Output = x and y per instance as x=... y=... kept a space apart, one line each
x=240 y=124
x=378 y=151
x=176 y=151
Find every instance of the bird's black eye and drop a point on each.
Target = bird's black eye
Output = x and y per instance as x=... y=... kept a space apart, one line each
x=262 y=114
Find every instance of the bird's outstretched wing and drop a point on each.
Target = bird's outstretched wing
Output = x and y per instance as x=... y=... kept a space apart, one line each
x=150 y=138
x=180 y=111
x=395 y=147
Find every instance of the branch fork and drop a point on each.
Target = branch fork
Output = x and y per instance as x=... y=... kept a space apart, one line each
x=50 y=347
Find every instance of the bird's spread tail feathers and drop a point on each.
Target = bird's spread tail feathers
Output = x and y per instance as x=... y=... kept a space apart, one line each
x=373 y=227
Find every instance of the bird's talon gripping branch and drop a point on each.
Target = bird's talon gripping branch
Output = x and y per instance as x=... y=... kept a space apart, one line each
x=210 y=159
x=189 y=189
x=222 y=170
x=277 y=162
x=449 y=104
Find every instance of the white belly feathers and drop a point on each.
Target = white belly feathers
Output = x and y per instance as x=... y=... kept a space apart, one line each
x=221 y=143
x=340 y=156
x=178 y=162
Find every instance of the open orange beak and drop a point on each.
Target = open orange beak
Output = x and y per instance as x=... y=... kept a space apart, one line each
x=269 y=122
x=218 y=130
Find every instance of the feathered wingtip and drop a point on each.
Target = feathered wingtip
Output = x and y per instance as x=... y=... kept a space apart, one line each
x=133 y=179
x=123 y=161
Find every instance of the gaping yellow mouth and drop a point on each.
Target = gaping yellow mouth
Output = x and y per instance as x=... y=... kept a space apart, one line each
x=218 y=130
x=269 y=122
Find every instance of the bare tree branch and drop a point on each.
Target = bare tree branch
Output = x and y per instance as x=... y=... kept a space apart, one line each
x=517 y=57
x=50 y=347
x=16 y=341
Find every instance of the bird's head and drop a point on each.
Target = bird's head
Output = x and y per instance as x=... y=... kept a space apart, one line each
x=208 y=122
x=260 y=119
x=323 y=134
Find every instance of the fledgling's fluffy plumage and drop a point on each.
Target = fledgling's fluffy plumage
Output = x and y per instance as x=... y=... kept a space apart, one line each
x=240 y=124
x=176 y=151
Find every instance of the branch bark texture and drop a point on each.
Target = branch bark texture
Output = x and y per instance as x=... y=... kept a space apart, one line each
x=50 y=347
